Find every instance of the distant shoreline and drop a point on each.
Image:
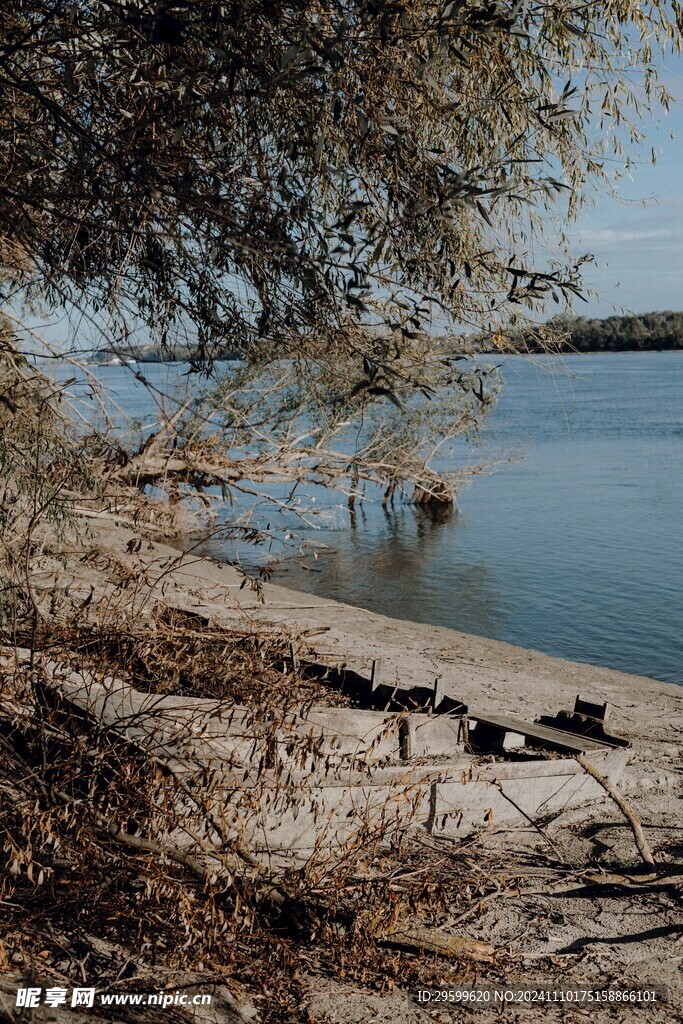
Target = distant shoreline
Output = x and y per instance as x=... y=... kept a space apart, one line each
x=577 y=352
x=642 y=332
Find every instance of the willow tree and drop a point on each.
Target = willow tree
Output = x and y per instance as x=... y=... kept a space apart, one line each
x=322 y=186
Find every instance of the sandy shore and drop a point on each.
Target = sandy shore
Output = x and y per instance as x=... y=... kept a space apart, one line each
x=622 y=932
x=488 y=674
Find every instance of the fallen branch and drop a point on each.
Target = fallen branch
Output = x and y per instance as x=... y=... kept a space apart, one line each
x=637 y=828
x=426 y=940
x=142 y=845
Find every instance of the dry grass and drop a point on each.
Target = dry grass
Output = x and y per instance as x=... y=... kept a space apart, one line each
x=90 y=887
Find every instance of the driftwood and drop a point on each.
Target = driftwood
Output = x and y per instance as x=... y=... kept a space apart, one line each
x=637 y=828
x=418 y=939
x=434 y=493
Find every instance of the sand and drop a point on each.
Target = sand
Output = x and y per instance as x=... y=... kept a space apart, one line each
x=623 y=932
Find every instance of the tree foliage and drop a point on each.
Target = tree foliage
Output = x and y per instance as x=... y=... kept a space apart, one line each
x=314 y=181
x=267 y=171
x=42 y=469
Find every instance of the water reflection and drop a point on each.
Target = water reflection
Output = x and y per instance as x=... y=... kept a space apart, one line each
x=404 y=553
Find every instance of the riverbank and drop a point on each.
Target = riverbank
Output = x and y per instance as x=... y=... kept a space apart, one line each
x=479 y=671
x=573 y=547
x=572 y=905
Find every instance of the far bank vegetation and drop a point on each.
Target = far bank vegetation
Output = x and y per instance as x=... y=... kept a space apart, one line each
x=639 y=332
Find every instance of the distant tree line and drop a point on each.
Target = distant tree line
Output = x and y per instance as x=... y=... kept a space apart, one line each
x=644 y=332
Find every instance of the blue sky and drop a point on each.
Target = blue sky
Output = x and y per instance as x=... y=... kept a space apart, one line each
x=638 y=241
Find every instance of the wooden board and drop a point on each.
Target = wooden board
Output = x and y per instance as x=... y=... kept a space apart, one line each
x=544 y=734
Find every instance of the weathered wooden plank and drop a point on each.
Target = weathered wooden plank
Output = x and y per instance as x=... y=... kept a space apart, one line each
x=459 y=808
x=462 y=769
x=327 y=818
x=450 y=801
x=555 y=738
x=220 y=730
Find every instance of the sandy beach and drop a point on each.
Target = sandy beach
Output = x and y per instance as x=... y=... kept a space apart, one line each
x=557 y=923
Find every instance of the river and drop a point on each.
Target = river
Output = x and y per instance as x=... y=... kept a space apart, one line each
x=573 y=545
